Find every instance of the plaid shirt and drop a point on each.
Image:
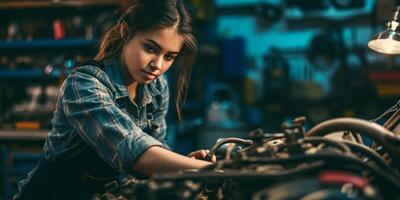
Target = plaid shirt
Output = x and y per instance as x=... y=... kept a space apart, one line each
x=93 y=109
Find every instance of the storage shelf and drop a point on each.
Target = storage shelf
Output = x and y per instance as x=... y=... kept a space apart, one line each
x=47 y=43
x=23 y=135
x=26 y=73
x=57 y=4
x=385 y=76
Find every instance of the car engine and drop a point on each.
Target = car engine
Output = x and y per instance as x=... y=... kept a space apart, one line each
x=329 y=161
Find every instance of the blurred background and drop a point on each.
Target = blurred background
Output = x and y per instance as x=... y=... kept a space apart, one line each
x=260 y=63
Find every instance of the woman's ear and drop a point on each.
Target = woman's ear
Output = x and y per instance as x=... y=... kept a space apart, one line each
x=124 y=31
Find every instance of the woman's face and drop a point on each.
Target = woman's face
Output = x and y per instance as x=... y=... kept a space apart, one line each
x=148 y=55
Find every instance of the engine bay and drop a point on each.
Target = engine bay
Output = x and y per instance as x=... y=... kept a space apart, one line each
x=329 y=161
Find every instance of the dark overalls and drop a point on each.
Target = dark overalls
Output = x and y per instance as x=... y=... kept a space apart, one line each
x=78 y=178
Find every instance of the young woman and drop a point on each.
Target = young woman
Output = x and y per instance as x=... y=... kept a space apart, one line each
x=110 y=114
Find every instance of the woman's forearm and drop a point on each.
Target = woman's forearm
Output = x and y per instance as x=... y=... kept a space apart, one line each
x=158 y=159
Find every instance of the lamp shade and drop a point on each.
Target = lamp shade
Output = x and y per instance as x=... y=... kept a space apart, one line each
x=386 y=42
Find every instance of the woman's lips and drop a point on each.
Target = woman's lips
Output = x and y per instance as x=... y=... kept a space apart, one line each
x=150 y=75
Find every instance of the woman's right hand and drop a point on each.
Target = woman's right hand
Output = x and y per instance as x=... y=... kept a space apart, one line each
x=201 y=154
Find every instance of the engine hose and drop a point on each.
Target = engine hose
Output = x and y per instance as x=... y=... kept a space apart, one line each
x=372 y=130
x=317 y=140
x=210 y=154
x=371 y=155
x=218 y=175
x=332 y=157
x=344 y=145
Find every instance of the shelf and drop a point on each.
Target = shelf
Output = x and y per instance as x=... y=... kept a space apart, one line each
x=23 y=135
x=57 y=4
x=47 y=43
x=320 y=21
x=385 y=76
x=27 y=73
x=388 y=89
x=265 y=10
x=387 y=83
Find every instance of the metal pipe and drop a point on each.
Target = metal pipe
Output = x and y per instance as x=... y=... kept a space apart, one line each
x=210 y=154
x=363 y=127
x=318 y=140
x=332 y=161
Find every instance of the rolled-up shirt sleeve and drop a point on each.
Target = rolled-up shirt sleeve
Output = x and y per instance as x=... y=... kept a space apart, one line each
x=89 y=107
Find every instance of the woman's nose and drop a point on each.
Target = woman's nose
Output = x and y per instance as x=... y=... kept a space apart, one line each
x=156 y=63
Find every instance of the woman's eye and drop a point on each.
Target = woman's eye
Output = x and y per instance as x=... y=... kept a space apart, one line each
x=169 y=57
x=149 y=49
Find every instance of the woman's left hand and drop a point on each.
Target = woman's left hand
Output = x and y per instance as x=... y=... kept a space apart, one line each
x=200 y=154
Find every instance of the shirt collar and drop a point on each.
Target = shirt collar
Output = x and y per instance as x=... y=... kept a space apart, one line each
x=146 y=92
x=149 y=92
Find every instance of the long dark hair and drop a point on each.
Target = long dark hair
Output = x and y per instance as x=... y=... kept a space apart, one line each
x=146 y=15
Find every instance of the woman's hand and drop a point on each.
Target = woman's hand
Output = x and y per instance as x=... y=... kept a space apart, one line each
x=200 y=154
